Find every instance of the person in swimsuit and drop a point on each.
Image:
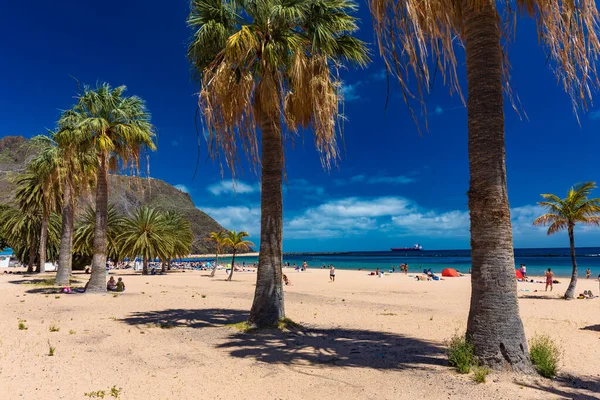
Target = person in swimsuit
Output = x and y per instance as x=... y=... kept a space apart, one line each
x=332 y=273
x=588 y=273
x=549 y=279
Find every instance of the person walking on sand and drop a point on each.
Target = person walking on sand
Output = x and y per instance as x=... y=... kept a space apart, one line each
x=588 y=273
x=332 y=273
x=549 y=279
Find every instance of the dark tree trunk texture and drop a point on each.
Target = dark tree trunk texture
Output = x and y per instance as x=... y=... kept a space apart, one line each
x=32 y=251
x=163 y=268
x=65 y=257
x=268 y=305
x=145 y=266
x=232 y=265
x=97 y=282
x=570 y=293
x=212 y=274
x=43 y=241
x=494 y=325
x=169 y=264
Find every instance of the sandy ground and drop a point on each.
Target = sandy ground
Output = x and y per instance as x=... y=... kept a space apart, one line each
x=168 y=337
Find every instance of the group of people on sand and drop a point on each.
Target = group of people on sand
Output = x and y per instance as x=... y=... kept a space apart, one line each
x=115 y=286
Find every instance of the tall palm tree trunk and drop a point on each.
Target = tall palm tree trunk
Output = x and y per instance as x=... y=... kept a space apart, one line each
x=145 y=266
x=65 y=257
x=43 y=240
x=268 y=306
x=212 y=274
x=98 y=279
x=232 y=265
x=32 y=251
x=163 y=268
x=570 y=293
x=494 y=325
x=169 y=264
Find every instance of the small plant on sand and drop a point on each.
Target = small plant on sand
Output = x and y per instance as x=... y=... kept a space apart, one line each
x=243 y=326
x=57 y=297
x=98 y=394
x=286 y=324
x=115 y=392
x=22 y=326
x=51 y=349
x=203 y=296
x=54 y=328
x=480 y=374
x=460 y=354
x=545 y=355
x=72 y=332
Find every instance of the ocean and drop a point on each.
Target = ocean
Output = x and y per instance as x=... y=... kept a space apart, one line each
x=536 y=260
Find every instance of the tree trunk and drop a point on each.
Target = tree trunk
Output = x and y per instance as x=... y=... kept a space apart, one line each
x=169 y=264
x=570 y=293
x=494 y=325
x=65 y=257
x=268 y=305
x=32 y=251
x=232 y=265
x=163 y=266
x=145 y=266
x=97 y=282
x=43 y=240
x=212 y=274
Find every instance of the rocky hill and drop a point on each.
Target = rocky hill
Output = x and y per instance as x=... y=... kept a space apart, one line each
x=126 y=193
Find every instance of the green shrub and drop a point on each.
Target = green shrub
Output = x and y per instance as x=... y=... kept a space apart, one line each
x=22 y=326
x=460 y=354
x=545 y=355
x=50 y=349
x=480 y=374
x=54 y=328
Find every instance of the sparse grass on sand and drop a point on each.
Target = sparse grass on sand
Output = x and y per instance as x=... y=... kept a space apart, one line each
x=545 y=355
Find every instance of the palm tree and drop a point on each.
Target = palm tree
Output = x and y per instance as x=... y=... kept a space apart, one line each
x=565 y=213
x=117 y=129
x=264 y=64
x=145 y=234
x=569 y=30
x=39 y=190
x=21 y=231
x=78 y=177
x=236 y=242
x=180 y=230
x=217 y=238
x=83 y=242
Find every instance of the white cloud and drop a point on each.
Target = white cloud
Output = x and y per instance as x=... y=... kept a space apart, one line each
x=239 y=218
x=379 y=75
x=232 y=187
x=182 y=188
x=350 y=91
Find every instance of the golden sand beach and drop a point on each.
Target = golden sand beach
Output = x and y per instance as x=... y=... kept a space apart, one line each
x=362 y=337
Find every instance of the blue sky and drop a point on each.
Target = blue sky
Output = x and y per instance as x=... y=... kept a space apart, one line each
x=393 y=186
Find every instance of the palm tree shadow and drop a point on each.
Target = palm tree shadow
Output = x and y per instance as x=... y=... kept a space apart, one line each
x=595 y=328
x=568 y=387
x=305 y=346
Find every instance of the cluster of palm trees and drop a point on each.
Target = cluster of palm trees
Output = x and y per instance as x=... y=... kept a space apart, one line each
x=103 y=132
x=235 y=241
x=273 y=65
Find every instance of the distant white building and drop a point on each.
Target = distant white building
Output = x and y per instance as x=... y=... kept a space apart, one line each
x=5 y=258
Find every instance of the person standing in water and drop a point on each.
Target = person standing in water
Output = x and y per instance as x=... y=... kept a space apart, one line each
x=332 y=273
x=549 y=279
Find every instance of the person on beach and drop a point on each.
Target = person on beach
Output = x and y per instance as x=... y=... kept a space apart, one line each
x=304 y=266
x=549 y=279
x=120 y=285
x=286 y=280
x=111 y=285
x=588 y=273
x=524 y=271
x=378 y=273
x=332 y=273
x=405 y=269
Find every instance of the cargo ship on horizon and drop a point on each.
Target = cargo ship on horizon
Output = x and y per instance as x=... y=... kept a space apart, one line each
x=416 y=247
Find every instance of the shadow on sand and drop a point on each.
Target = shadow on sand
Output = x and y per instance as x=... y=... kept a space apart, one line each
x=304 y=346
x=595 y=328
x=568 y=387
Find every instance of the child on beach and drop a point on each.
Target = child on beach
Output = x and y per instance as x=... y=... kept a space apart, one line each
x=549 y=279
x=120 y=285
x=332 y=273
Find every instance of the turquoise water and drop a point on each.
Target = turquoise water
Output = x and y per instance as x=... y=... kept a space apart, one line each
x=536 y=260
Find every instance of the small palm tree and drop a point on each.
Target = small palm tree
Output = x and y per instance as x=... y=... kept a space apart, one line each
x=264 y=65
x=39 y=189
x=565 y=213
x=145 y=234
x=180 y=230
x=236 y=242
x=217 y=238
x=83 y=242
x=117 y=129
